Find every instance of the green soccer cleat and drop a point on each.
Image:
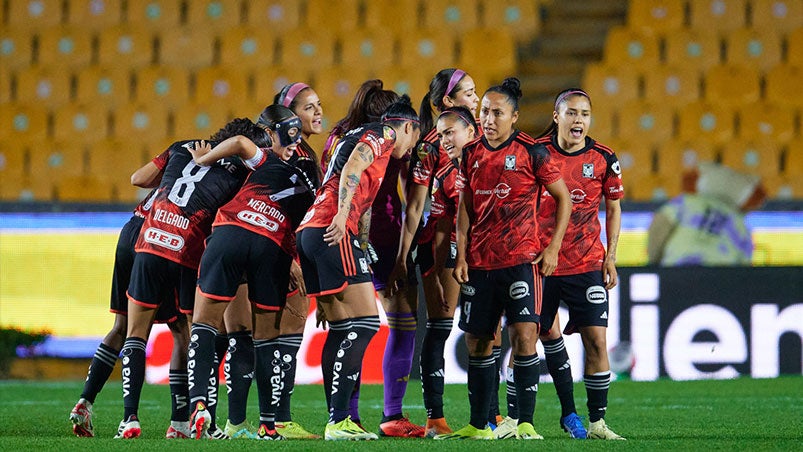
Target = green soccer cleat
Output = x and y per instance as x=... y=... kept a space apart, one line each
x=599 y=430
x=243 y=430
x=347 y=430
x=469 y=432
x=293 y=430
x=527 y=431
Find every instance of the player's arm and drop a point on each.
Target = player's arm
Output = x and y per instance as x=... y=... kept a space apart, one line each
x=465 y=204
x=613 y=223
x=549 y=256
x=204 y=154
x=359 y=160
x=416 y=199
x=148 y=176
x=657 y=236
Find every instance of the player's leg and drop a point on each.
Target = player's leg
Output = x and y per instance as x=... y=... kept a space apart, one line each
x=140 y=319
x=239 y=365
x=267 y=370
x=597 y=379
x=178 y=379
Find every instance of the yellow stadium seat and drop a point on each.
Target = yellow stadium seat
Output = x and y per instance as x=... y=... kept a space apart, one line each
x=457 y=16
x=154 y=14
x=671 y=85
x=51 y=164
x=94 y=14
x=751 y=47
x=692 y=49
x=221 y=85
x=112 y=162
x=638 y=177
x=16 y=48
x=12 y=170
x=106 y=86
x=624 y=46
x=271 y=80
x=201 y=120
x=42 y=85
x=412 y=82
x=83 y=123
x=718 y=16
x=5 y=85
x=143 y=123
x=188 y=47
x=399 y=17
x=648 y=123
x=656 y=17
x=369 y=50
x=340 y=16
x=678 y=158
x=781 y=16
x=165 y=85
x=34 y=15
x=274 y=15
x=247 y=48
x=307 y=49
x=603 y=123
x=789 y=188
x=23 y=123
x=707 y=122
x=783 y=83
x=766 y=121
x=217 y=15
x=793 y=162
x=732 y=85
x=761 y=157
x=125 y=45
x=794 y=50
x=611 y=85
x=87 y=188
x=488 y=54
x=336 y=88
x=65 y=47
x=519 y=17
x=428 y=51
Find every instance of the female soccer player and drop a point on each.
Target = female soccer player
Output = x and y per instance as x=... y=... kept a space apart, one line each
x=499 y=254
x=586 y=269
x=336 y=269
x=253 y=235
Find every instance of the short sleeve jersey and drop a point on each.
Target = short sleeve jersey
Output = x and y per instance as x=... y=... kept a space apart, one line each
x=445 y=195
x=504 y=184
x=271 y=203
x=380 y=139
x=591 y=174
x=145 y=205
x=185 y=205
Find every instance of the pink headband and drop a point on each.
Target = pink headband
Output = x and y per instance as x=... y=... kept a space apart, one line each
x=460 y=115
x=396 y=118
x=457 y=75
x=295 y=88
x=563 y=96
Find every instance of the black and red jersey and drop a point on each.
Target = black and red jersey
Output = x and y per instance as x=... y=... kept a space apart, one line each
x=446 y=186
x=145 y=205
x=591 y=174
x=185 y=204
x=504 y=184
x=381 y=140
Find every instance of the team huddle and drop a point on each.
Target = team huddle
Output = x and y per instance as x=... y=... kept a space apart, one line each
x=242 y=230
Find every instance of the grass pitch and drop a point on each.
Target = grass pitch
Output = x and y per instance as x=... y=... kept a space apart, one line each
x=741 y=414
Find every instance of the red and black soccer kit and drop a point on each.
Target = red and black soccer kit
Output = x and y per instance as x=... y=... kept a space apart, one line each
x=591 y=174
x=443 y=205
x=171 y=243
x=501 y=189
x=328 y=269
x=254 y=234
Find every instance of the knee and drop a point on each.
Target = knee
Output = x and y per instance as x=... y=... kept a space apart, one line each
x=523 y=338
x=478 y=346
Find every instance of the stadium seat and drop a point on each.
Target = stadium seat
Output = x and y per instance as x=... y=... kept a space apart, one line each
x=766 y=121
x=627 y=47
x=94 y=14
x=488 y=54
x=247 y=48
x=201 y=120
x=23 y=124
x=794 y=49
x=336 y=88
x=637 y=175
x=603 y=122
x=45 y=86
x=110 y=87
x=274 y=15
x=611 y=85
x=221 y=85
x=34 y=15
x=793 y=162
x=165 y=85
x=51 y=164
x=86 y=188
x=671 y=85
x=790 y=188
x=760 y=157
x=760 y=49
x=154 y=15
x=12 y=170
x=126 y=46
x=113 y=161
x=214 y=15
x=306 y=49
x=144 y=123
x=519 y=17
x=646 y=123
x=780 y=16
x=5 y=85
x=82 y=123
x=16 y=48
x=399 y=17
x=368 y=50
x=412 y=82
x=457 y=16
x=692 y=49
x=732 y=86
x=718 y=16
x=187 y=47
x=680 y=156
x=706 y=122
x=428 y=51
x=656 y=17
x=783 y=84
x=271 y=80
x=337 y=17
x=65 y=47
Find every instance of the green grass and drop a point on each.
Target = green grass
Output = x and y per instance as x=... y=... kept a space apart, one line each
x=742 y=414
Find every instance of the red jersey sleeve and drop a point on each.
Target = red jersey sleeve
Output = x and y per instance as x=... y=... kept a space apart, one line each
x=161 y=160
x=545 y=170
x=612 y=187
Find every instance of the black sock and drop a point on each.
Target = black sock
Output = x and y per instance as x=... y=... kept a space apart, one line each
x=526 y=372
x=432 y=365
x=288 y=349
x=337 y=332
x=481 y=371
x=557 y=361
x=99 y=371
x=267 y=377
x=510 y=394
x=239 y=370
x=179 y=395
x=493 y=408
x=200 y=361
x=348 y=363
x=597 y=390
x=221 y=344
x=133 y=354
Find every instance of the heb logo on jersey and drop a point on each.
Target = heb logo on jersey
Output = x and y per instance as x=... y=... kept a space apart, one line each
x=257 y=219
x=164 y=239
x=502 y=191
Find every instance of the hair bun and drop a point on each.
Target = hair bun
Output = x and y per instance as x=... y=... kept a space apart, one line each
x=514 y=86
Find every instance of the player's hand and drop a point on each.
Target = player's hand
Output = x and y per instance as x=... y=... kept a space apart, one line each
x=397 y=278
x=320 y=316
x=609 y=274
x=335 y=231
x=198 y=150
x=460 y=272
x=548 y=260
x=297 y=277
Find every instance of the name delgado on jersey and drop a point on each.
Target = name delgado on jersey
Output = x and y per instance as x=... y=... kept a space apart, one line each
x=166 y=239
x=258 y=219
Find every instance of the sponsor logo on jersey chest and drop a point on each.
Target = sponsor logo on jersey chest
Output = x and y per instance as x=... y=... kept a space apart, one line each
x=164 y=239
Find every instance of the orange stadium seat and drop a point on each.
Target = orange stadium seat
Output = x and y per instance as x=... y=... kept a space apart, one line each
x=65 y=47
x=677 y=158
x=42 y=85
x=624 y=46
x=793 y=162
x=457 y=16
x=366 y=49
x=427 y=50
x=154 y=14
x=783 y=84
x=201 y=120
x=23 y=123
x=16 y=48
x=12 y=170
x=94 y=14
x=611 y=85
x=306 y=49
x=671 y=85
x=247 y=48
x=752 y=47
x=214 y=15
x=274 y=15
x=83 y=123
x=488 y=54
x=144 y=123
x=106 y=86
x=86 y=188
x=51 y=164
x=789 y=188
x=781 y=16
x=794 y=50
x=762 y=157
x=188 y=47
x=336 y=88
x=692 y=49
x=165 y=85
x=336 y=17
x=648 y=123
x=271 y=80
x=766 y=121
x=603 y=123
x=637 y=175
x=400 y=17
x=706 y=122
x=732 y=85
x=125 y=45
x=34 y=15
x=519 y=17
x=113 y=161
x=221 y=85
x=718 y=16
x=656 y=17
x=413 y=82
x=5 y=85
